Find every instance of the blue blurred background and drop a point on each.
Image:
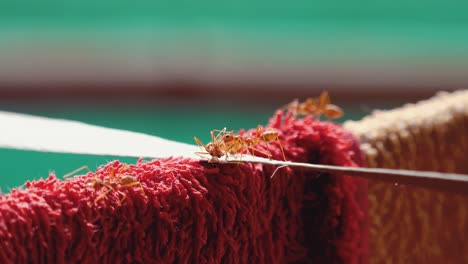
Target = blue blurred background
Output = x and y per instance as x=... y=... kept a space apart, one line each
x=179 y=69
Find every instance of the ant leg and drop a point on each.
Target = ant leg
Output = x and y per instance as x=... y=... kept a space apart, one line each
x=268 y=148
x=259 y=131
x=121 y=171
x=199 y=143
x=221 y=133
x=219 y=130
x=239 y=161
x=251 y=150
x=202 y=155
x=142 y=189
x=240 y=158
x=124 y=196
x=212 y=160
x=282 y=150
x=231 y=148
x=103 y=195
x=76 y=171
x=226 y=156
x=112 y=174
x=268 y=154
x=213 y=139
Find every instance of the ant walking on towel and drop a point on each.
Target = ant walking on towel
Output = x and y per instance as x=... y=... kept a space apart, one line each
x=113 y=183
x=315 y=107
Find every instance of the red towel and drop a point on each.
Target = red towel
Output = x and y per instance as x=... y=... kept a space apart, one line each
x=194 y=212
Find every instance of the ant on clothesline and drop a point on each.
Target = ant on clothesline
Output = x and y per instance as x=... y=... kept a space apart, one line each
x=226 y=143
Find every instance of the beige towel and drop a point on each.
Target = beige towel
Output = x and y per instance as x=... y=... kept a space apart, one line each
x=408 y=224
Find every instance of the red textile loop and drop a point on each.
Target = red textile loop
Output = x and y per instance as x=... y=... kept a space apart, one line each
x=194 y=212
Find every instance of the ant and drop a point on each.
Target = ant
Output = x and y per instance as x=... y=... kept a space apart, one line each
x=125 y=181
x=269 y=135
x=226 y=143
x=237 y=143
x=316 y=107
x=216 y=148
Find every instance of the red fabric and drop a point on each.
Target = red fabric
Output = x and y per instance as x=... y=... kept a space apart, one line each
x=193 y=212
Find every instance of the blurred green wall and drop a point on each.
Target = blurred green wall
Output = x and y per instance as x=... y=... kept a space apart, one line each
x=295 y=32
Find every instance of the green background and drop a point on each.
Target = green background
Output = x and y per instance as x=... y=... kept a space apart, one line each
x=311 y=32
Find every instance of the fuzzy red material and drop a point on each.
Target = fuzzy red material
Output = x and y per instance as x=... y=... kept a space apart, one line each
x=194 y=212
